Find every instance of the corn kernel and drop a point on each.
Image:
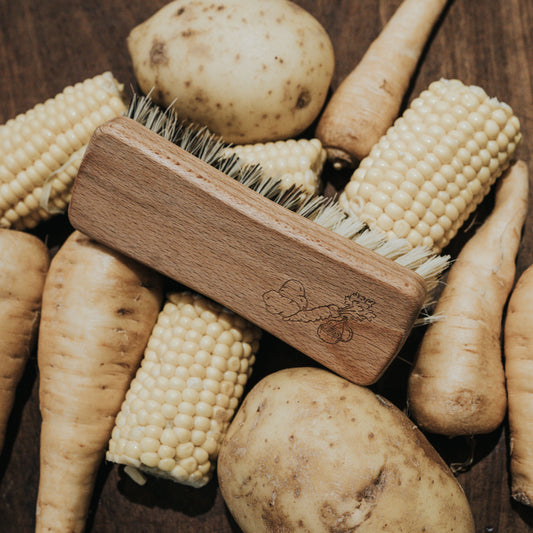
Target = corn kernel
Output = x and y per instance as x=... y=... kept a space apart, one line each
x=207 y=343
x=401 y=228
x=167 y=464
x=136 y=433
x=222 y=400
x=132 y=449
x=214 y=330
x=201 y=455
x=149 y=444
x=169 y=438
x=197 y=438
x=169 y=411
x=150 y=459
x=142 y=417
x=204 y=409
x=179 y=474
x=166 y=452
x=239 y=389
x=242 y=379
x=211 y=446
x=202 y=423
x=190 y=465
x=205 y=468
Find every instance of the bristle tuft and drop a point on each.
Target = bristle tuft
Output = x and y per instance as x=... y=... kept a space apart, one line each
x=432 y=269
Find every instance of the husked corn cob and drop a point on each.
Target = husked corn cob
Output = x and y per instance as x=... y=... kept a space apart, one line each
x=435 y=165
x=41 y=150
x=294 y=162
x=186 y=390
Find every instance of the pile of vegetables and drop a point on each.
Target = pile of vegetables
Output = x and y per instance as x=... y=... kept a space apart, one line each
x=152 y=379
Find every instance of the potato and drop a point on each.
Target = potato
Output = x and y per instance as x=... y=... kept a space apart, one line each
x=250 y=70
x=310 y=451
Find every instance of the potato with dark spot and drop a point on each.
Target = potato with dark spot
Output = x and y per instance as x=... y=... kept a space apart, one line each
x=250 y=70
x=310 y=451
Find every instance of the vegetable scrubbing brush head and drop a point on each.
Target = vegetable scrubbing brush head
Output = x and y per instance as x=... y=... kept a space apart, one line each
x=337 y=301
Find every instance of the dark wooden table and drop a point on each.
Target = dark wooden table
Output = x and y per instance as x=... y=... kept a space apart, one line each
x=46 y=45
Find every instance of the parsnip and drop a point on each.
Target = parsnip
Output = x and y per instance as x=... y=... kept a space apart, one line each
x=457 y=386
x=25 y=261
x=98 y=311
x=518 y=349
x=368 y=100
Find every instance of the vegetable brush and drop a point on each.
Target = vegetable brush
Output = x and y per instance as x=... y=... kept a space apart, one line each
x=172 y=196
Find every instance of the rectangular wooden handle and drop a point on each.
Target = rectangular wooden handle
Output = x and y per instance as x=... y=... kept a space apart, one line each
x=346 y=307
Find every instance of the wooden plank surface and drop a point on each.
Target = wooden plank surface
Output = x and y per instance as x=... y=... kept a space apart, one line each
x=46 y=45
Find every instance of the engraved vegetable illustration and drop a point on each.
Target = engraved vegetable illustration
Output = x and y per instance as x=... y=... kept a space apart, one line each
x=290 y=303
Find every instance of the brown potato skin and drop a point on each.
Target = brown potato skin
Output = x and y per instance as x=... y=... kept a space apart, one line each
x=248 y=70
x=310 y=451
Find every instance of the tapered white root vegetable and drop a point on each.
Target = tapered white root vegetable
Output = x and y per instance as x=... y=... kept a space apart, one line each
x=97 y=314
x=518 y=349
x=25 y=261
x=457 y=386
x=368 y=101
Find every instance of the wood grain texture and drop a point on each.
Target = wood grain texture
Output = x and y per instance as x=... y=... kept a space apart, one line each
x=46 y=45
x=187 y=220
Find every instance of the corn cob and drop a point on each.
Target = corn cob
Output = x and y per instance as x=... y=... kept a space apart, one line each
x=183 y=396
x=41 y=150
x=294 y=162
x=434 y=166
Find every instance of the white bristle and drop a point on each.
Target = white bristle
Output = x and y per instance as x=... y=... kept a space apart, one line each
x=330 y=216
x=393 y=248
x=349 y=227
x=311 y=207
x=370 y=239
x=432 y=269
x=415 y=257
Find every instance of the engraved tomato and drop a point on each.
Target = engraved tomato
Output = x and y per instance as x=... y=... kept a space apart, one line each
x=333 y=331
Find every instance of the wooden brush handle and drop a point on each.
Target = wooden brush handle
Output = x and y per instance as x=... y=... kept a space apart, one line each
x=342 y=305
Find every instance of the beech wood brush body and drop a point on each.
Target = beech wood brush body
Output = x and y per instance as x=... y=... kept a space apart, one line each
x=343 y=305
